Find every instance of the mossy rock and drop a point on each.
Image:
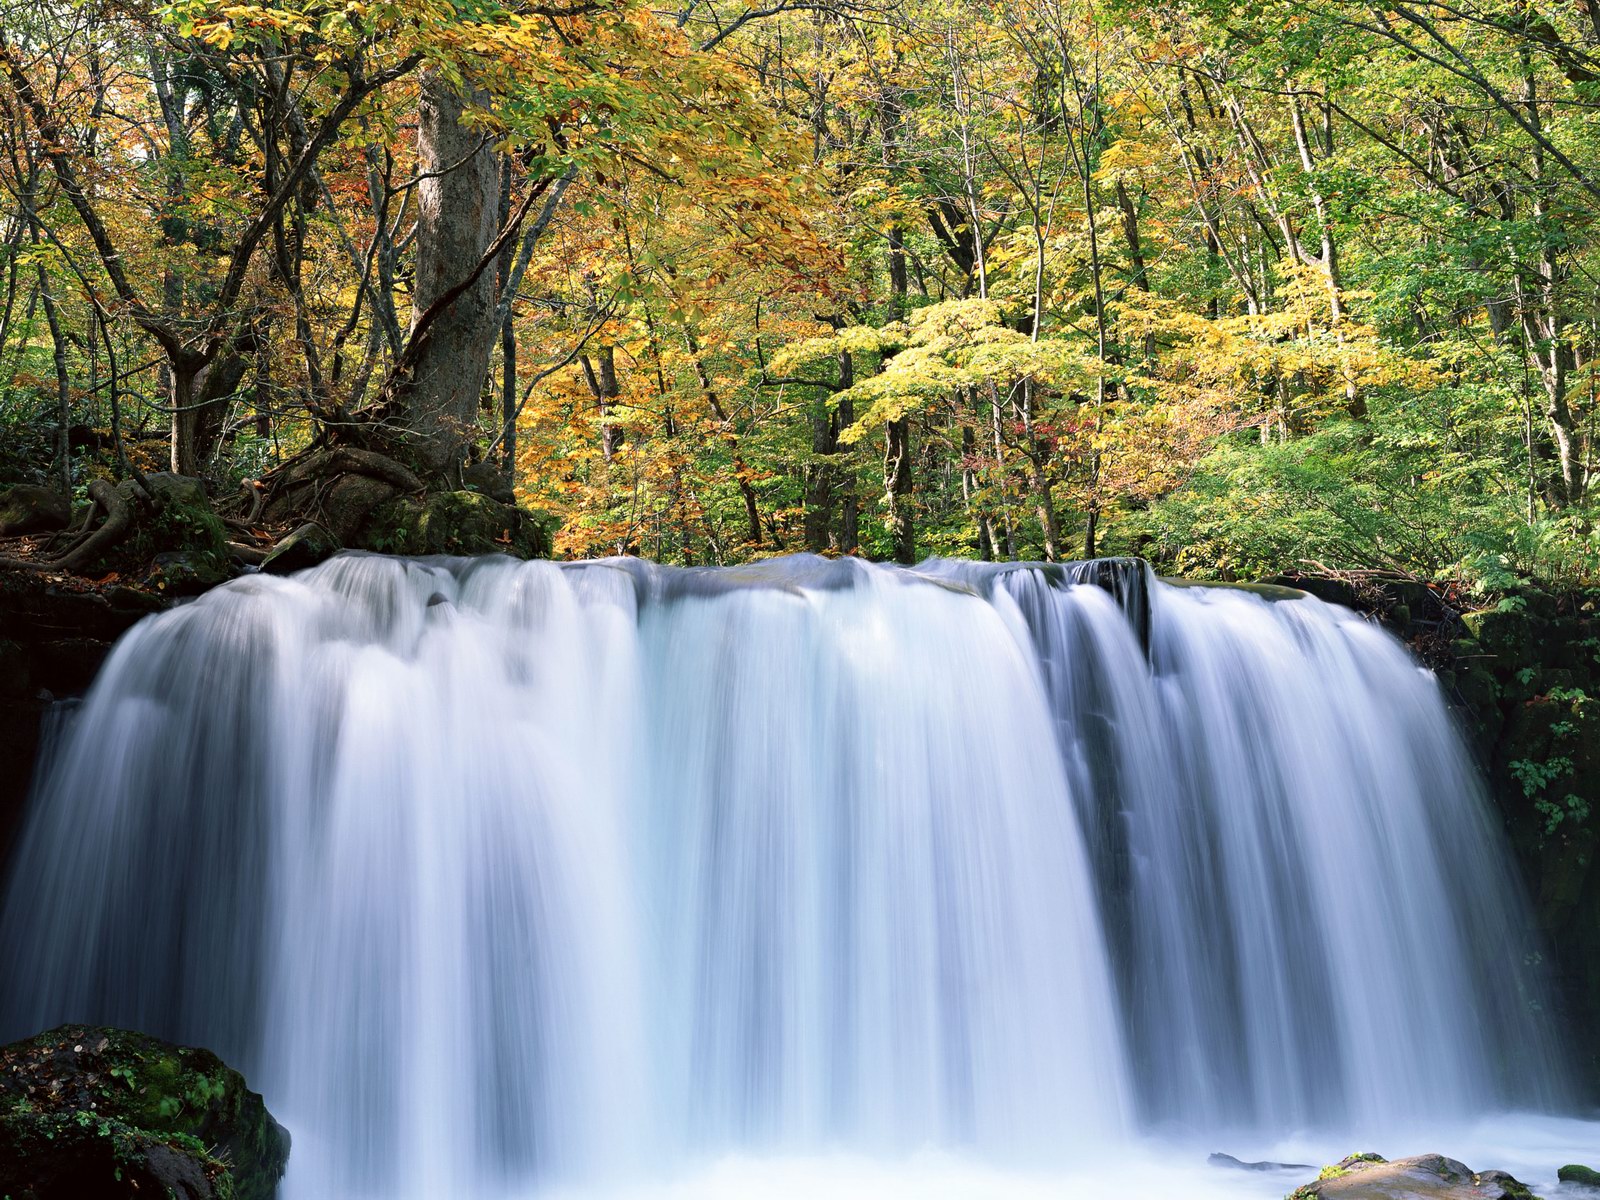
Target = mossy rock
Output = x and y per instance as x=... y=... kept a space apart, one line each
x=89 y=1112
x=1336 y=1171
x=186 y=572
x=181 y=547
x=1581 y=1175
x=463 y=523
x=1509 y=631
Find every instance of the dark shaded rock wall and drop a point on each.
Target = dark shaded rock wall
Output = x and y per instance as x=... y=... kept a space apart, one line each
x=54 y=634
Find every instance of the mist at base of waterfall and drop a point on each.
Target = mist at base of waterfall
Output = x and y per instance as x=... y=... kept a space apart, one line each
x=500 y=878
x=1528 y=1146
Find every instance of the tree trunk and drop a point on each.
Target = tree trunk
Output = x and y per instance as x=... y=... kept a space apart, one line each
x=458 y=209
x=897 y=489
x=819 y=477
x=606 y=390
x=1355 y=402
x=741 y=469
x=198 y=391
x=849 y=538
x=822 y=476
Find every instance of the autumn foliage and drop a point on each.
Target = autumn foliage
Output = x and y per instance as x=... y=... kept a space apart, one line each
x=1236 y=289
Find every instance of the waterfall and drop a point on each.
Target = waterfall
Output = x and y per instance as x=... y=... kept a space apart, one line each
x=494 y=875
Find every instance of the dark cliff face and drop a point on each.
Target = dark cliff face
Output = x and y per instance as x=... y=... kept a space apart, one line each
x=1522 y=671
x=54 y=634
x=1527 y=684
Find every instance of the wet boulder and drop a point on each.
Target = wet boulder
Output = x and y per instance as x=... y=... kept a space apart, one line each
x=1425 y=1177
x=27 y=508
x=1582 y=1176
x=89 y=1113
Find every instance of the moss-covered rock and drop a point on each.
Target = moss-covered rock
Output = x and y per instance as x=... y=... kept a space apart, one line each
x=457 y=523
x=89 y=1157
x=185 y=572
x=87 y=1112
x=1581 y=1175
x=178 y=545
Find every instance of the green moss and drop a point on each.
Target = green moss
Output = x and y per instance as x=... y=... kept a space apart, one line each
x=1310 y=1191
x=108 y=1096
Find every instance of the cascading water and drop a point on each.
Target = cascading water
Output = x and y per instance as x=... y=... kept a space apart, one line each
x=498 y=876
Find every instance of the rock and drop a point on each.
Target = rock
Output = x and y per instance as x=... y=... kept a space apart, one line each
x=64 y=1158
x=168 y=488
x=457 y=523
x=305 y=547
x=1426 y=1177
x=352 y=503
x=1228 y=1160
x=27 y=508
x=183 y=542
x=1581 y=1175
x=343 y=487
x=185 y=572
x=134 y=601
x=53 y=637
x=87 y=1113
x=490 y=480
x=69 y=664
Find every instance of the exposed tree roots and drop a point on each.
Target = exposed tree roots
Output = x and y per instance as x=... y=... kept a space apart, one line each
x=91 y=543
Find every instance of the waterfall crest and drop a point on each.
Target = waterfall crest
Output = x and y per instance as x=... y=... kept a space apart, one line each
x=493 y=873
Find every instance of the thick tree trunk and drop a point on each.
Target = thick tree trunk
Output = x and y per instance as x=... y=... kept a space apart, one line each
x=609 y=393
x=198 y=392
x=458 y=216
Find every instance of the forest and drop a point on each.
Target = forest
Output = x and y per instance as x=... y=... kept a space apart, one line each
x=1239 y=288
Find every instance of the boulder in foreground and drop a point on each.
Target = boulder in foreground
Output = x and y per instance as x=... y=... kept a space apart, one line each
x=1425 y=1177
x=103 y=1114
